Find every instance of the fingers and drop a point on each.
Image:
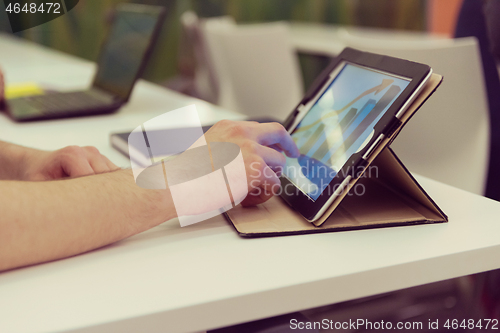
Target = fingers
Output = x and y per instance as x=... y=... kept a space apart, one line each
x=83 y=161
x=274 y=134
x=267 y=189
x=277 y=148
x=272 y=139
x=74 y=162
x=111 y=165
x=95 y=160
x=267 y=134
x=275 y=160
x=263 y=184
x=255 y=198
x=262 y=146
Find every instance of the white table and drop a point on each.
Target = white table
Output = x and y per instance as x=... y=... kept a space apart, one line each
x=173 y=279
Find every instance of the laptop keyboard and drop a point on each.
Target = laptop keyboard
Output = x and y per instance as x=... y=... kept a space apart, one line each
x=67 y=102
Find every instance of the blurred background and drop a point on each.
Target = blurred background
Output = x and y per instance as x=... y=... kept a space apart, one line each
x=81 y=31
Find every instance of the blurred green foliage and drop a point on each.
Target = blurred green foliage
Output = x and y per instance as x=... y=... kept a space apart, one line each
x=82 y=30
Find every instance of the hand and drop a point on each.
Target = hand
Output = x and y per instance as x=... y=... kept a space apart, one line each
x=71 y=161
x=262 y=146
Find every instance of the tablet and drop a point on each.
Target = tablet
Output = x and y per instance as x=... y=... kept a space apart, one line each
x=357 y=103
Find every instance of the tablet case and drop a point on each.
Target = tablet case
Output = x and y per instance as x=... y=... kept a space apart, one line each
x=385 y=195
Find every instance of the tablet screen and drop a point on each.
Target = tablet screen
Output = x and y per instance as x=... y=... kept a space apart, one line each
x=338 y=124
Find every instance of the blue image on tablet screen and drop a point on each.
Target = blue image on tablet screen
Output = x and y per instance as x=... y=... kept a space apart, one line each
x=338 y=125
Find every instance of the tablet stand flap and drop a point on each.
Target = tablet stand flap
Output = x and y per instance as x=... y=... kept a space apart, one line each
x=384 y=195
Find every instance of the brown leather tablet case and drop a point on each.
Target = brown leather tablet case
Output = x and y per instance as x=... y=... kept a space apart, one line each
x=385 y=195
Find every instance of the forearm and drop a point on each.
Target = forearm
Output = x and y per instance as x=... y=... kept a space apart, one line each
x=11 y=161
x=43 y=221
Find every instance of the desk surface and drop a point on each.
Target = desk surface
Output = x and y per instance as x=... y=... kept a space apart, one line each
x=204 y=276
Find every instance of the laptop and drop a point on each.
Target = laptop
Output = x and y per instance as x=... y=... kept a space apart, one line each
x=122 y=59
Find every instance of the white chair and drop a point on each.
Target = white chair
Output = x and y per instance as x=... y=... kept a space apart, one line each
x=205 y=81
x=257 y=70
x=448 y=139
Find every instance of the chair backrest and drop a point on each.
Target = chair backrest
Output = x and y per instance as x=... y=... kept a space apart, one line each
x=257 y=68
x=206 y=81
x=448 y=139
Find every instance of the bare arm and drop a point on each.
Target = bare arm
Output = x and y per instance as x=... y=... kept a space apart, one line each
x=43 y=221
x=10 y=161
x=47 y=220
x=22 y=163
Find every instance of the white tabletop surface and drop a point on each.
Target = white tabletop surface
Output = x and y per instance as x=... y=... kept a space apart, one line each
x=173 y=279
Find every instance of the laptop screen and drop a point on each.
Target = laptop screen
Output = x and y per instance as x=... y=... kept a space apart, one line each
x=126 y=49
